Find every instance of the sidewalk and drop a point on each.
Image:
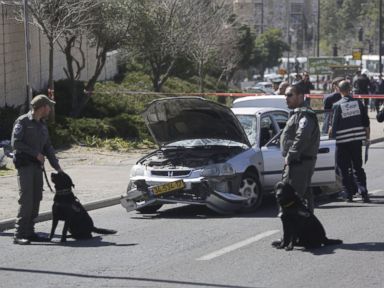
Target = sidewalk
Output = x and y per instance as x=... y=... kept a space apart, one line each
x=100 y=178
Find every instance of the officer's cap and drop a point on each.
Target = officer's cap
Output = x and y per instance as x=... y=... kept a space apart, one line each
x=41 y=100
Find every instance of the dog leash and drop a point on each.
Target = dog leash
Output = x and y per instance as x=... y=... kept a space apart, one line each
x=46 y=178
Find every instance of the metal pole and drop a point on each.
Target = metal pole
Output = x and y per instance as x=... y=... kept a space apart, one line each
x=262 y=16
x=27 y=45
x=318 y=38
x=380 y=36
x=289 y=42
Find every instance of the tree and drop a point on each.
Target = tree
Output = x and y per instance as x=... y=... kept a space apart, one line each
x=109 y=31
x=212 y=27
x=57 y=18
x=342 y=21
x=269 y=48
x=162 y=34
x=229 y=56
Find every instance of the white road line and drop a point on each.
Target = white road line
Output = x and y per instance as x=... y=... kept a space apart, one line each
x=236 y=245
x=375 y=191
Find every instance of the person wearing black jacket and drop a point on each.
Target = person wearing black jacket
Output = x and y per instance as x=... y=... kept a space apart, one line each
x=350 y=126
x=380 y=114
x=329 y=100
x=307 y=86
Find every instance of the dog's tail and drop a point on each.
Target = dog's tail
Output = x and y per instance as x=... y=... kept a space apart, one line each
x=103 y=231
x=332 y=241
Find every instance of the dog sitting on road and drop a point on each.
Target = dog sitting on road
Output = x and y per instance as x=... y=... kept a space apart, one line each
x=300 y=226
x=67 y=207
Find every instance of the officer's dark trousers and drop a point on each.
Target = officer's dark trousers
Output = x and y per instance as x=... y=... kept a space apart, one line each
x=299 y=176
x=349 y=159
x=30 y=181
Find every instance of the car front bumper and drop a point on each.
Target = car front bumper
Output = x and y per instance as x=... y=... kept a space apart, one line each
x=196 y=191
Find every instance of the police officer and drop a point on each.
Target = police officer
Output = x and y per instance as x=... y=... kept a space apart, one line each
x=350 y=126
x=31 y=144
x=300 y=141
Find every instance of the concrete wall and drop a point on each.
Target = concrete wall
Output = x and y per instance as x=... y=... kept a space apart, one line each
x=13 y=64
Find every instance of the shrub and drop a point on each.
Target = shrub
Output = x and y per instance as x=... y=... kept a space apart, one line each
x=125 y=126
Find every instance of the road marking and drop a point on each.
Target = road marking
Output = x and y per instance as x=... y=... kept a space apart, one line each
x=237 y=245
x=375 y=191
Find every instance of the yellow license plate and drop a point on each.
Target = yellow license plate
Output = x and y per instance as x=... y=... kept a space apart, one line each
x=168 y=187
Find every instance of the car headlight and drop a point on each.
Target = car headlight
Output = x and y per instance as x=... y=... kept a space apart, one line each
x=223 y=169
x=137 y=170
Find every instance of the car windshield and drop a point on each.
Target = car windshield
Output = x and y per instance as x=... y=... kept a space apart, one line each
x=249 y=123
x=205 y=142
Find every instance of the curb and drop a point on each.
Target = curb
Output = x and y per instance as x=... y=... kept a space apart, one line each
x=377 y=140
x=47 y=215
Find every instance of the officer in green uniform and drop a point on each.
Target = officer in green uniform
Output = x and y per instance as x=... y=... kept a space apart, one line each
x=31 y=144
x=300 y=141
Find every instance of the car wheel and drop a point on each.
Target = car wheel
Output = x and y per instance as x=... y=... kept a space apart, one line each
x=250 y=189
x=149 y=209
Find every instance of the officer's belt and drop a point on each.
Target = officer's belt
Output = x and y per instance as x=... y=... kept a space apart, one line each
x=308 y=158
x=302 y=158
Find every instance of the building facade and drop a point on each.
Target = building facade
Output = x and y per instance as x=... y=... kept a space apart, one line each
x=13 y=89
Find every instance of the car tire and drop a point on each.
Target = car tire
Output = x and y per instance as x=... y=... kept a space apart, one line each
x=250 y=188
x=149 y=209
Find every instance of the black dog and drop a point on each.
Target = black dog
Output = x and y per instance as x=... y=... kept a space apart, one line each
x=300 y=226
x=67 y=207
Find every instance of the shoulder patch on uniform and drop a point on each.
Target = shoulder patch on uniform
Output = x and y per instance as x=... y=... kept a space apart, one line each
x=18 y=128
x=303 y=122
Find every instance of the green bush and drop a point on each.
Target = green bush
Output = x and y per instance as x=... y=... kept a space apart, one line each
x=125 y=126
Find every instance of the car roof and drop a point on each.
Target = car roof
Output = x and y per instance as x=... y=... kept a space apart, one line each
x=277 y=101
x=255 y=110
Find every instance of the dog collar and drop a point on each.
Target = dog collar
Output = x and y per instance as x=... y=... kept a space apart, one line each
x=64 y=191
x=289 y=204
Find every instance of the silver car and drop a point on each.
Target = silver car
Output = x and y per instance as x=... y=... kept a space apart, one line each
x=210 y=155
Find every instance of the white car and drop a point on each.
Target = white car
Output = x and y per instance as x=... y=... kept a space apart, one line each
x=211 y=155
x=275 y=101
x=267 y=87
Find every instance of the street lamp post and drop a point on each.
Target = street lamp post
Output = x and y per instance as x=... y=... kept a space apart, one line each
x=380 y=35
x=27 y=56
x=318 y=38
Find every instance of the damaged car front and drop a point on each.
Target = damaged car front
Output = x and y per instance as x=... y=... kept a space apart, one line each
x=201 y=159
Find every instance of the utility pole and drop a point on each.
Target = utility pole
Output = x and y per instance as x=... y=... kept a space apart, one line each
x=318 y=37
x=380 y=36
x=289 y=41
x=262 y=16
x=27 y=45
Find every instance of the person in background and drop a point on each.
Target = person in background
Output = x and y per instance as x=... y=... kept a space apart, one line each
x=328 y=102
x=282 y=87
x=379 y=91
x=362 y=87
x=31 y=144
x=380 y=114
x=350 y=127
x=307 y=87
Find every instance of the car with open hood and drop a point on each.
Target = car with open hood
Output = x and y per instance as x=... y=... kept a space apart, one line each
x=210 y=155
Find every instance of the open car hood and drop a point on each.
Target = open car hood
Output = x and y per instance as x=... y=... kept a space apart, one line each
x=181 y=118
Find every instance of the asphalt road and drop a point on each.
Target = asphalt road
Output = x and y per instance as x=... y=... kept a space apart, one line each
x=186 y=246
